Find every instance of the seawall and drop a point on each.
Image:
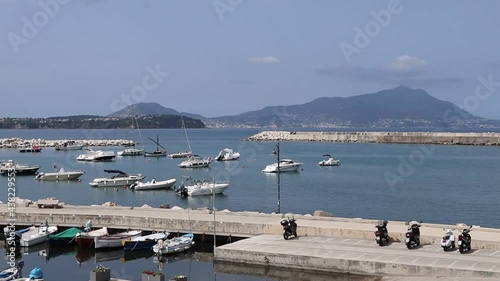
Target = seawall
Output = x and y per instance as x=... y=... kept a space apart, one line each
x=450 y=138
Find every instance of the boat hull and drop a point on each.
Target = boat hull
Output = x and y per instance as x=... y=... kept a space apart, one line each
x=289 y=168
x=70 y=147
x=152 y=186
x=20 y=171
x=174 y=245
x=115 y=183
x=138 y=245
x=59 y=176
x=155 y=154
x=207 y=189
x=58 y=243
x=115 y=241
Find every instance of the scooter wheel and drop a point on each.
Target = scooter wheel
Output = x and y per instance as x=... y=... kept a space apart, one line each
x=461 y=250
x=408 y=245
x=380 y=243
x=285 y=236
x=295 y=234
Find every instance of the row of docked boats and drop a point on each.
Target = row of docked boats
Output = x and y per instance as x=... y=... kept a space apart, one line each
x=101 y=238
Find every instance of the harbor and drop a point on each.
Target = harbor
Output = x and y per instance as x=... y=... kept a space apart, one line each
x=324 y=243
x=38 y=142
x=445 y=138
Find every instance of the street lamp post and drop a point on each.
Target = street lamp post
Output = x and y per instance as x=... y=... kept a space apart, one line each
x=278 y=174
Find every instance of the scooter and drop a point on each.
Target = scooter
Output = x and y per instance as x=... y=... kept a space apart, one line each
x=289 y=227
x=464 y=241
x=448 y=241
x=413 y=234
x=381 y=235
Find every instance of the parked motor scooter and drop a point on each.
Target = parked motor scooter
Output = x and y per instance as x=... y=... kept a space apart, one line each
x=448 y=241
x=382 y=234
x=464 y=240
x=289 y=227
x=413 y=234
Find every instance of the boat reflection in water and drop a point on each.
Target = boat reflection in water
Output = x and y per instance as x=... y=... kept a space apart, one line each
x=54 y=252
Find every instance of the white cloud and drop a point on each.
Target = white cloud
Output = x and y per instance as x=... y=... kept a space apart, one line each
x=263 y=60
x=406 y=63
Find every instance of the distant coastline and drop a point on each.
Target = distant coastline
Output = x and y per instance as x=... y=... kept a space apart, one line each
x=445 y=138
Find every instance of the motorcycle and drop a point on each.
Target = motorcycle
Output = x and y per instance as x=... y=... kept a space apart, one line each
x=464 y=241
x=289 y=227
x=382 y=235
x=448 y=241
x=413 y=234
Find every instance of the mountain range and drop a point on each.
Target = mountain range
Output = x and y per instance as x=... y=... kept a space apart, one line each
x=398 y=107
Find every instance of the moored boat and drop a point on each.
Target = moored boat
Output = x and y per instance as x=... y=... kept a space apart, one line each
x=119 y=179
x=37 y=235
x=153 y=184
x=329 y=161
x=32 y=149
x=60 y=175
x=65 y=238
x=96 y=156
x=157 y=152
x=174 y=245
x=131 y=152
x=195 y=161
x=144 y=242
x=86 y=239
x=11 y=273
x=9 y=167
x=181 y=154
x=285 y=165
x=227 y=154
x=202 y=187
x=69 y=145
x=115 y=240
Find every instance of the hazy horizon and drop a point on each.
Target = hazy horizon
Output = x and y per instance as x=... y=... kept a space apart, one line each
x=217 y=58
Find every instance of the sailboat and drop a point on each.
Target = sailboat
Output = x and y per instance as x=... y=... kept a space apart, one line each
x=182 y=153
x=132 y=151
x=157 y=152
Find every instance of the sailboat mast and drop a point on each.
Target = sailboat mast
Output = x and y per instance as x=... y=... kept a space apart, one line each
x=185 y=132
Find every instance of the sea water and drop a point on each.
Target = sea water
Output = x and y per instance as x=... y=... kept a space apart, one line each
x=432 y=183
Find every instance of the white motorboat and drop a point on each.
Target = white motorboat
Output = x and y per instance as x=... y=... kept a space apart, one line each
x=36 y=235
x=202 y=187
x=227 y=154
x=115 y=240
x=144 y=242
x=119 y=179
x=131 y=152
x=96 y=155
x=9 y=166
x=195 y=161
x=285 y=165
x=181 y=154
x=153 y=184
x=174 y=245
x=60 y=175
x=329 y=161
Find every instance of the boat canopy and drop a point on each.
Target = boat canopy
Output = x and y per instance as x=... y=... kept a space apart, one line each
x=68 y=233
x=116 y=172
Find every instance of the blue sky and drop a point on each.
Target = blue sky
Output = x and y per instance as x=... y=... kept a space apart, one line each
x=225 y=57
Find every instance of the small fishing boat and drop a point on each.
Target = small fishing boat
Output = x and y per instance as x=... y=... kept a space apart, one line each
x=86 y=239
x=174 y=245
x=153 y=184
x=157 y=152
x=11 y=273
x=195 y=161
x=65 y=238
x=36 y=235
x=181 y=154
x=144 y=242
x=202 y=187
x=69 y=145
x=329 y=161
x=285 y=165
x=115 y=240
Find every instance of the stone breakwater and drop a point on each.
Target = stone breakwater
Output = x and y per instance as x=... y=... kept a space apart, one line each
x=19 y=143
x=382 y=137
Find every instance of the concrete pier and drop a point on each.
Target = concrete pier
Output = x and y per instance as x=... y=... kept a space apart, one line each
x=382 y=137
x=315 y=234
x=20 y=143
x=359 y=257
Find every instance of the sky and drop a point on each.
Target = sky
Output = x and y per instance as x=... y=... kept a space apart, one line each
x=225 y=57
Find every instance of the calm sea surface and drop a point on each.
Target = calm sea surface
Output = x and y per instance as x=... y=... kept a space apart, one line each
x=435 y=184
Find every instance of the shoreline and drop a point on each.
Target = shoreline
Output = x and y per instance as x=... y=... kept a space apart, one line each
x=443 y=138
x=23 y=143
